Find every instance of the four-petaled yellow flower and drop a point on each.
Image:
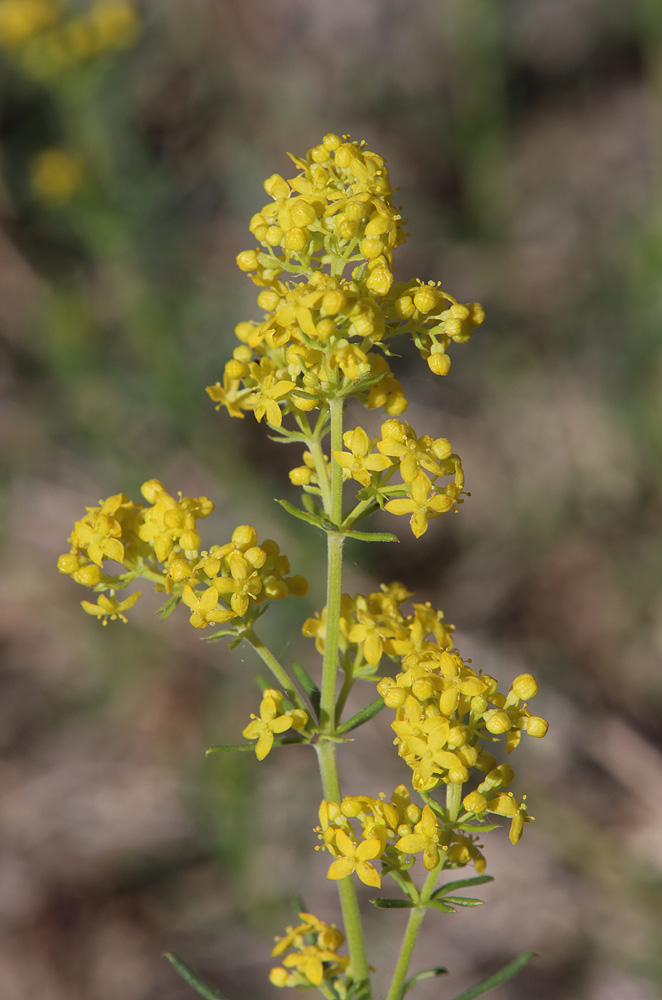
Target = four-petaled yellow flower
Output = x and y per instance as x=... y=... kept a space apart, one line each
x=426 y=838
x=264 y=399
x=108 y=607
x=272 y=721
x=357 y=463
x=205 y=609
x=420 y=504
x=357 y=859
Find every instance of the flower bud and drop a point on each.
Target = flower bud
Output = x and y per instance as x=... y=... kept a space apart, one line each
x=474 y=802
x=535 y=726
x=331 y=141
x=302 y=213
x=439 y=364
x=268 y=300
x=426 y=299
x=88 y=576
x=525 y=686
x=277 y=187
x=235 y=369
x=371 y=248
x=295 y=240
x=68 y=563
x=247 y=260
x=497 y=722
x=297 y=585
x=244 y=536
x=379 y=281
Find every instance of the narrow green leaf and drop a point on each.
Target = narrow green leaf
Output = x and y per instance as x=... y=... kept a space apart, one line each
x=215 y=636
x=280 y=741
x=506 y=973
x=463 y=900
x=302 y=515
x=312 y=506
x=479 y=827
x=308 y=686
x=462 y=883
x=442 y=907
x=193 y=979
x=372 y=536
x=168 y=607
x=367 y=713
x=420 y=976
x=392 y=904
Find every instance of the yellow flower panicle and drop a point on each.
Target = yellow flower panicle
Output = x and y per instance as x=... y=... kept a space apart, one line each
x=159 y=541
x=313 y=958
x=447 y=717
x=376 y=624
x=325 y=333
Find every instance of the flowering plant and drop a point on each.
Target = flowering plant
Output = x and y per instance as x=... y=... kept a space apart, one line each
x=326 y=338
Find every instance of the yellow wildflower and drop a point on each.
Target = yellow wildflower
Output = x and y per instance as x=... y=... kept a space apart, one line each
x=205 y=610
x=426 y=837
x=357 y=463
x=420 y=504
x=272 y=721
x=356 y=858
x=108 y=607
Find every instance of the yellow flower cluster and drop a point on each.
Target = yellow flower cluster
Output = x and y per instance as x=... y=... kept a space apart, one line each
x=390 y=831
x=49 y=36
x=446 y=717
x=273 y=720
x=375 y=625
x=323 y=335
x=160 y=542
x=313 y=958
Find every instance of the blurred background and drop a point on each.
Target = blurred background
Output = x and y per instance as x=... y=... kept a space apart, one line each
x=526 y=140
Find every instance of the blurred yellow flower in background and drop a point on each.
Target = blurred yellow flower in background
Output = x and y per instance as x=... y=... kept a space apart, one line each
x=56 y=175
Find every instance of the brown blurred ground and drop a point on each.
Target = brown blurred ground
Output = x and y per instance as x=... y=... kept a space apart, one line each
x=525 y=138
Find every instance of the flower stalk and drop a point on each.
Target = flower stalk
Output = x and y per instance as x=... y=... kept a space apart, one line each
x=326 y=337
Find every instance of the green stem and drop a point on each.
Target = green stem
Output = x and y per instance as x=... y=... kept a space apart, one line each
x=326 y=747
x=453 y=806
x=326 y=756
x=344 y=691
x=275 y=667
x=334 y=579
x=411 y=934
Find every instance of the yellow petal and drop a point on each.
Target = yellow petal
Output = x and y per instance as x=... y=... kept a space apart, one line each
x=368 y=874
x=264 y=745
x=341 y=868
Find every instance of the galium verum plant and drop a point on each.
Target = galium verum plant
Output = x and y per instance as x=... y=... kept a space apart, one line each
x=332 y=315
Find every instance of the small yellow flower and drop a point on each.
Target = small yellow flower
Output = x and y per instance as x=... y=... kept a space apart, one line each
x=357 y=859
x=264 y=400
x=109 y=607
x=205 y=609
x=272 y=721
x=420 y=504
x=56 y=175
x=426 y=838
x=357 y=463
